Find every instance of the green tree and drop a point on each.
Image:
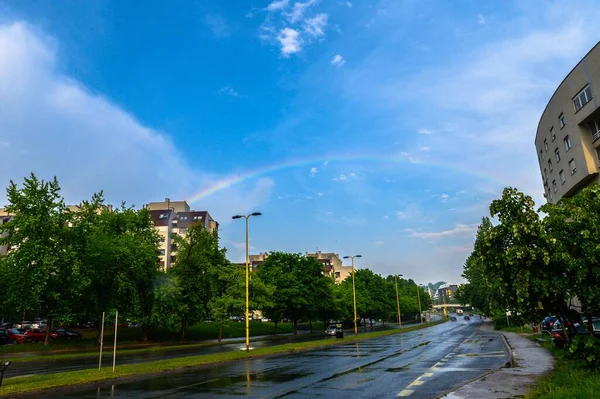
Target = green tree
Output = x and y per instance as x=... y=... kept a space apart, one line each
x=573 y=228
x=294 y=282
x=199 y=264
x=42 y=270
x=229 y=295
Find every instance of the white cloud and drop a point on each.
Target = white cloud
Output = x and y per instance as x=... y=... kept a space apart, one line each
x=458 y=230
x=341 y=177
x=390 y=180
x=379 y=243
x=401 y=215
x=298 y=10
x=338 y=60
x=348 y=4
x=230 y=91
x=57 y=127
x=480 y=19
x=278 y=5
x=424 y=148
x=218 y=26
x=425 y=131
x=290 y=41
x=313 y=171
x=315 y=26
x=325 y=163
x=444 y=197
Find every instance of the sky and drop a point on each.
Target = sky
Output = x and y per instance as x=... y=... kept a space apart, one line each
x=372 y=127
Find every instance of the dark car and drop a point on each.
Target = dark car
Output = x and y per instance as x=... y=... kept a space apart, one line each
x=62 y=333
x=17 y=336
x=4 y=338
x=558 y=335
x=548 y=323
x=467 y=318
x=453 y=318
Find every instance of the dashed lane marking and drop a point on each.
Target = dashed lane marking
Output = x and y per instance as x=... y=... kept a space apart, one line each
x=405 y=392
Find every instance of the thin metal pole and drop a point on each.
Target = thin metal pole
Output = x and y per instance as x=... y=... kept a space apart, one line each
x=115 y=343
x=398 y=301
x=419 y=296
x=354 y=296
x=247 y=292
x=101 y=343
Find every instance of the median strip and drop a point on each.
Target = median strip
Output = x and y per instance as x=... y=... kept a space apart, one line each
x=66 y=380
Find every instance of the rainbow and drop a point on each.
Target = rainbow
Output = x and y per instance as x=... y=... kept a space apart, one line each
x=235 y=179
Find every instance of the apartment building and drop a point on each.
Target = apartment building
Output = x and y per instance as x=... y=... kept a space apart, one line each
x=567 y=140
x=4 y=218
x=176 y=217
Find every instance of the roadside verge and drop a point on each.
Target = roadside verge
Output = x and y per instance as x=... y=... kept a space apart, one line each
x=18 y=386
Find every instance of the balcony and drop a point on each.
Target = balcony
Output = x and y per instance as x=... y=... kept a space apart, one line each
x=595 y=136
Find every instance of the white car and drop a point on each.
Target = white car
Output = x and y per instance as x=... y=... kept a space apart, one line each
x=330 y=330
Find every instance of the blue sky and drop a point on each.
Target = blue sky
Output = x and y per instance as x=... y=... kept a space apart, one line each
x=383 y=128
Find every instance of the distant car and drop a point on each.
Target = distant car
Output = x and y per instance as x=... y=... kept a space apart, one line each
x=16 y=336
x=37 y=335
x=23 y=324
x=62 y=333
x=548 y=323
x=453 y=318
x=471 y=314
x=467 y=318
x=558 y=336
x=330 y=330
x=4 y=338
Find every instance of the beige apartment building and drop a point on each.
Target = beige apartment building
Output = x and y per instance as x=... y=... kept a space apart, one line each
x=176 y=217
x=4 y=218
x=568 y=134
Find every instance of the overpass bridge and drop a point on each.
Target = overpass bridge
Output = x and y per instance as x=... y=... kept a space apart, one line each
x=452 y=305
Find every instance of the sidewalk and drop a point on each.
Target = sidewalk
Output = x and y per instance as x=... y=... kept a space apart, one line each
x=530 y=361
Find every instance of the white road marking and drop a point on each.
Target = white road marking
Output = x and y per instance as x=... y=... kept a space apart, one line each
x=405 y=392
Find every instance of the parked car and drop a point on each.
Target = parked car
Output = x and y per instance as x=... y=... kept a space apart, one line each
x=17 y=336
x=453 y=318
x=62 y=333
x=23 y=324
x=330 y=330
x=4 y=338
x=467 y=318
x=37 y=335
x=548 y=323
x=558 y=336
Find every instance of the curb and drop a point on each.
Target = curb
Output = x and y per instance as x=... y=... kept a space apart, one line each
x=509 y=364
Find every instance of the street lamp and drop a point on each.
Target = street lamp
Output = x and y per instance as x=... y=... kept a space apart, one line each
x=398 y=299
x=354 y=289
x=247 y=277
x=419 y=297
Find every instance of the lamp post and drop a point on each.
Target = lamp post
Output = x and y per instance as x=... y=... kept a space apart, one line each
x=354 y=290
x=398 y=299
x=419 y=297
x=247 y=277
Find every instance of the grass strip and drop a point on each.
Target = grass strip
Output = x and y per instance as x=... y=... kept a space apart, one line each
x=20 y=385
x=568 y=380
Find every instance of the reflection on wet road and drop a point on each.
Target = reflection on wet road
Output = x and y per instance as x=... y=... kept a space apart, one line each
x=422 y=364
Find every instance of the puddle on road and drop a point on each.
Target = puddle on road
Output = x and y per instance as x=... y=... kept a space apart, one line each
x=397 y=369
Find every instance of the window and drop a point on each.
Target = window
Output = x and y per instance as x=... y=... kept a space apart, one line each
x=545 y=172
x=572 y=166
x=563 y=179
x=164 y=216
x=337 y=275
x=183 y=218
x=567 y=142
x=173 y=259
x=546 y=145
x=552 y=133
x=561 y=119
x=542 y=155
x=595 y=130
x=557 y=155
x=550 y=165
x=550 y=195
x=582 y=98
x=162 y=251
x=598 y=154
x=554 y=186
x=197 y=217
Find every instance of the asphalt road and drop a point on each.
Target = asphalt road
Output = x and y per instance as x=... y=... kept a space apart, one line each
x=420 y=364
x=42 y=366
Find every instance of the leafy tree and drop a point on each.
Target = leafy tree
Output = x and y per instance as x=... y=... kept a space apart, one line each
x=573 y=228
x=199 y=263
x=42 y=271
x=229 y=295
x=294 y=281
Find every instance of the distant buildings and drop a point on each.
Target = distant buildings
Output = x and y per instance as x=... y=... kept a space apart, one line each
x=567 y=140
x=176 y=217
x=446 y=290
x=4 y=218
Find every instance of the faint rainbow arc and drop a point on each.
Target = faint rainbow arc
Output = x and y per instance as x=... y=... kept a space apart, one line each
x=235 y=179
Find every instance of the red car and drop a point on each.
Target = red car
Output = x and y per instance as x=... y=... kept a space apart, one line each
x=39 y=335
x=17 y=336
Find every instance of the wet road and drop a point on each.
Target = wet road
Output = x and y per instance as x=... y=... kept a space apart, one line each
x=54 y=366
x=420 y=364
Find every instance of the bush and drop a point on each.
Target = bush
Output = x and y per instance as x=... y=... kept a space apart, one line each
x=586 y=349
